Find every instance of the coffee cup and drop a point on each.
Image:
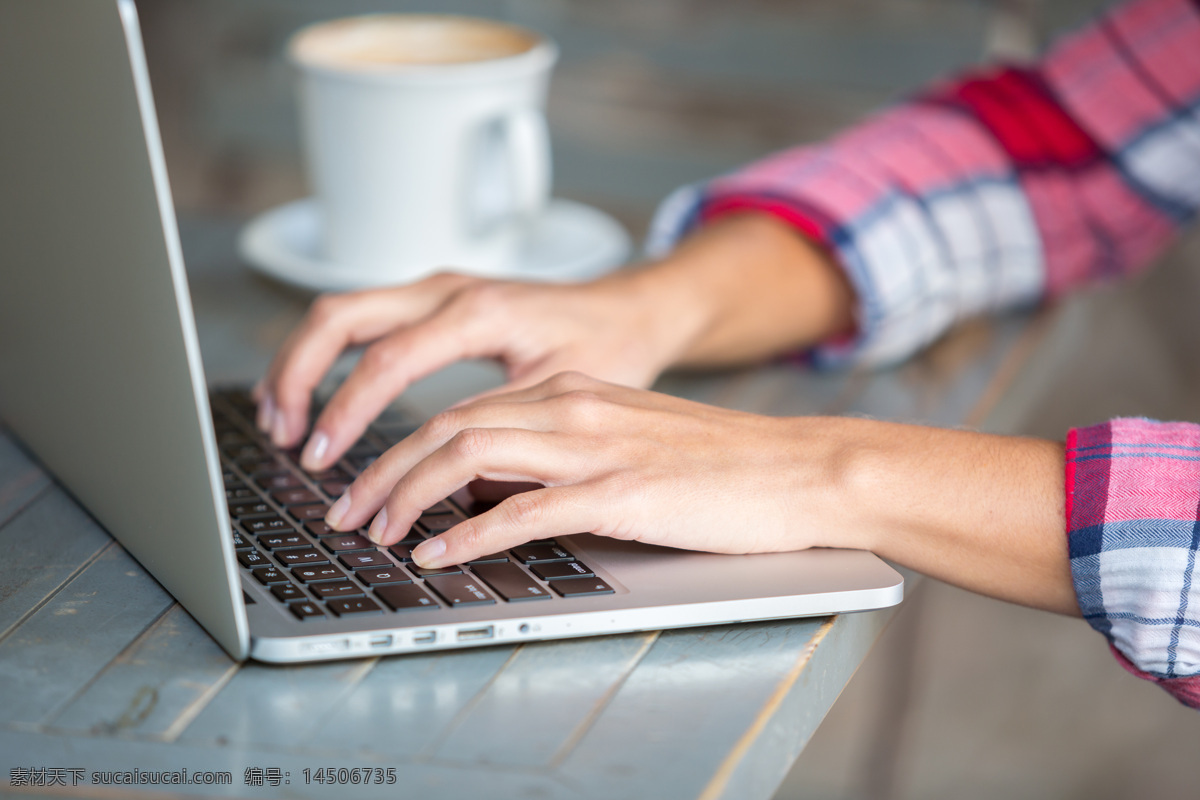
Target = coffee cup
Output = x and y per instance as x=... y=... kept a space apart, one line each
x=425 y=140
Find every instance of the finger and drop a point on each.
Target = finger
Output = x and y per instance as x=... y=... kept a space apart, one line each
x=370 y=490
x=526 y=381
x=503 y=454
x=537 y=388
x=386 y=369
x=333 y=323
x=542 y=513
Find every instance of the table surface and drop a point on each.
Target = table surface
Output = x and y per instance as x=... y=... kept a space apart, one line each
x=101 y=670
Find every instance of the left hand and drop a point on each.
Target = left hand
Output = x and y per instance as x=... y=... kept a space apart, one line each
x=610 y=460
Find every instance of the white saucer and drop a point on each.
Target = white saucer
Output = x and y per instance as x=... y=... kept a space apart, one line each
x=572 y=242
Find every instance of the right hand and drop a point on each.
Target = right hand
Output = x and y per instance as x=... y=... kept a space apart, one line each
x=613 y=329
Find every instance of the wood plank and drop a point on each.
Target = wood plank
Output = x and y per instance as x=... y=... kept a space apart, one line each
x=407 y=703
x=780 y=389
x=945 y=383
x=544 y=701
x=20 y=479
x=679 y=714
x=58 y=650
x=107 y=753
x=757 y=764
x=154 y=687
x=43 y=547
x=279 y=706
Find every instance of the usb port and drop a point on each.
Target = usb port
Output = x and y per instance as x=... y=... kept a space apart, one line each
x=381 y=641
x=424 y=637
x=468 y=634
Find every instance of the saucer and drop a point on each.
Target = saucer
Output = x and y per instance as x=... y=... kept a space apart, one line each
x=572 y=242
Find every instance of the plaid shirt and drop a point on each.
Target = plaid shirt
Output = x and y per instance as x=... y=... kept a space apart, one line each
x=999 y=189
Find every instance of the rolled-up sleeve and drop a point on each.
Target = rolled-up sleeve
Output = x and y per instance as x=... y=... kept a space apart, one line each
x=1133 y=529
x=994 y=190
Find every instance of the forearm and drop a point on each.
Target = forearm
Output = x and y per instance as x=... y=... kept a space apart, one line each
x=740 y=290
x=982 y=512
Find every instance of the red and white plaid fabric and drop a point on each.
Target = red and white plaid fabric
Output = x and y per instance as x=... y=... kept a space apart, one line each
x=998 y=189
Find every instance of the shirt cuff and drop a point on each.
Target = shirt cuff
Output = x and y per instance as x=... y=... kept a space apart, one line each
x=1132 y=507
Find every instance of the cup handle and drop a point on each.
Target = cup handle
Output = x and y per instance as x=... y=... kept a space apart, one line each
x=529 y=157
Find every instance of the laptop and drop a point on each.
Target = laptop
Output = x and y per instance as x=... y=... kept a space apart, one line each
x=101 y=380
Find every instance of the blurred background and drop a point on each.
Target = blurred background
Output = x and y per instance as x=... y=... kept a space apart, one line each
x=962 y=697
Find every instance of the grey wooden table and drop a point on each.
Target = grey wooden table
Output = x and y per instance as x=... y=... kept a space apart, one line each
x=100 y=670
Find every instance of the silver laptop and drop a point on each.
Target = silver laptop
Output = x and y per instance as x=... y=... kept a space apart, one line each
x=101 y=378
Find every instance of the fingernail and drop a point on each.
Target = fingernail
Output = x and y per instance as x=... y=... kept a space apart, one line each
x=266 y=410
x=314 y=451
x=378 y=527
x=278 y=429
x=338 y=510
x=428 y=552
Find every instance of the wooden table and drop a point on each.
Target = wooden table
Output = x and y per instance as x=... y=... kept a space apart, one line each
x=101 y=670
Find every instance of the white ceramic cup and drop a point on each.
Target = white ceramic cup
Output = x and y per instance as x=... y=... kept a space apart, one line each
x=425 y=140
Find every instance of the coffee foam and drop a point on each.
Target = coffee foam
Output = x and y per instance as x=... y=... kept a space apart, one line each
x=396 y=40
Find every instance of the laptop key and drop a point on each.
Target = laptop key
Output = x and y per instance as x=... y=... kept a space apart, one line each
x=318 y=527
x=437 y=523
x=259 y=468
x=382 y=576
x=294 y=497
x=360 y=463
x=288 y=592
x=335 y=488
x=346 y=606
x=247 y=508
x=306 y=610
x=323 y=572
x=336 y=589
x=403 y=552
x=285 y=480
x=581 y=588
x=260 y=471
x=561 y=570
x=405 y=597
x=241 y=542
x=331 y=474
x=242 y=451
x=282 y=541
x=460 y=590
x=268 y=523
x=241 y=493
x=537 y=553
x=347 y=542
x=429 y=573
x=269 y=575
x=311 y=511
x=307 y=556
x=363 y=560
x=414 y=536
x=494 y=558
x=511 y=582
x=252 y=558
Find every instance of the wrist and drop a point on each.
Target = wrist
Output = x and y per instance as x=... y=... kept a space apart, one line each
x=664 y=302
x=840 y=465
x=749 y=287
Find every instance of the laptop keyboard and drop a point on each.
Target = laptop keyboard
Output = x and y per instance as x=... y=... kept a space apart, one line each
x=281 y=539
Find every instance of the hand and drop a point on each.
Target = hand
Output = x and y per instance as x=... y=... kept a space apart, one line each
x=738 y=290
x=609 y=328
x=615 y=461
x=979 y=511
